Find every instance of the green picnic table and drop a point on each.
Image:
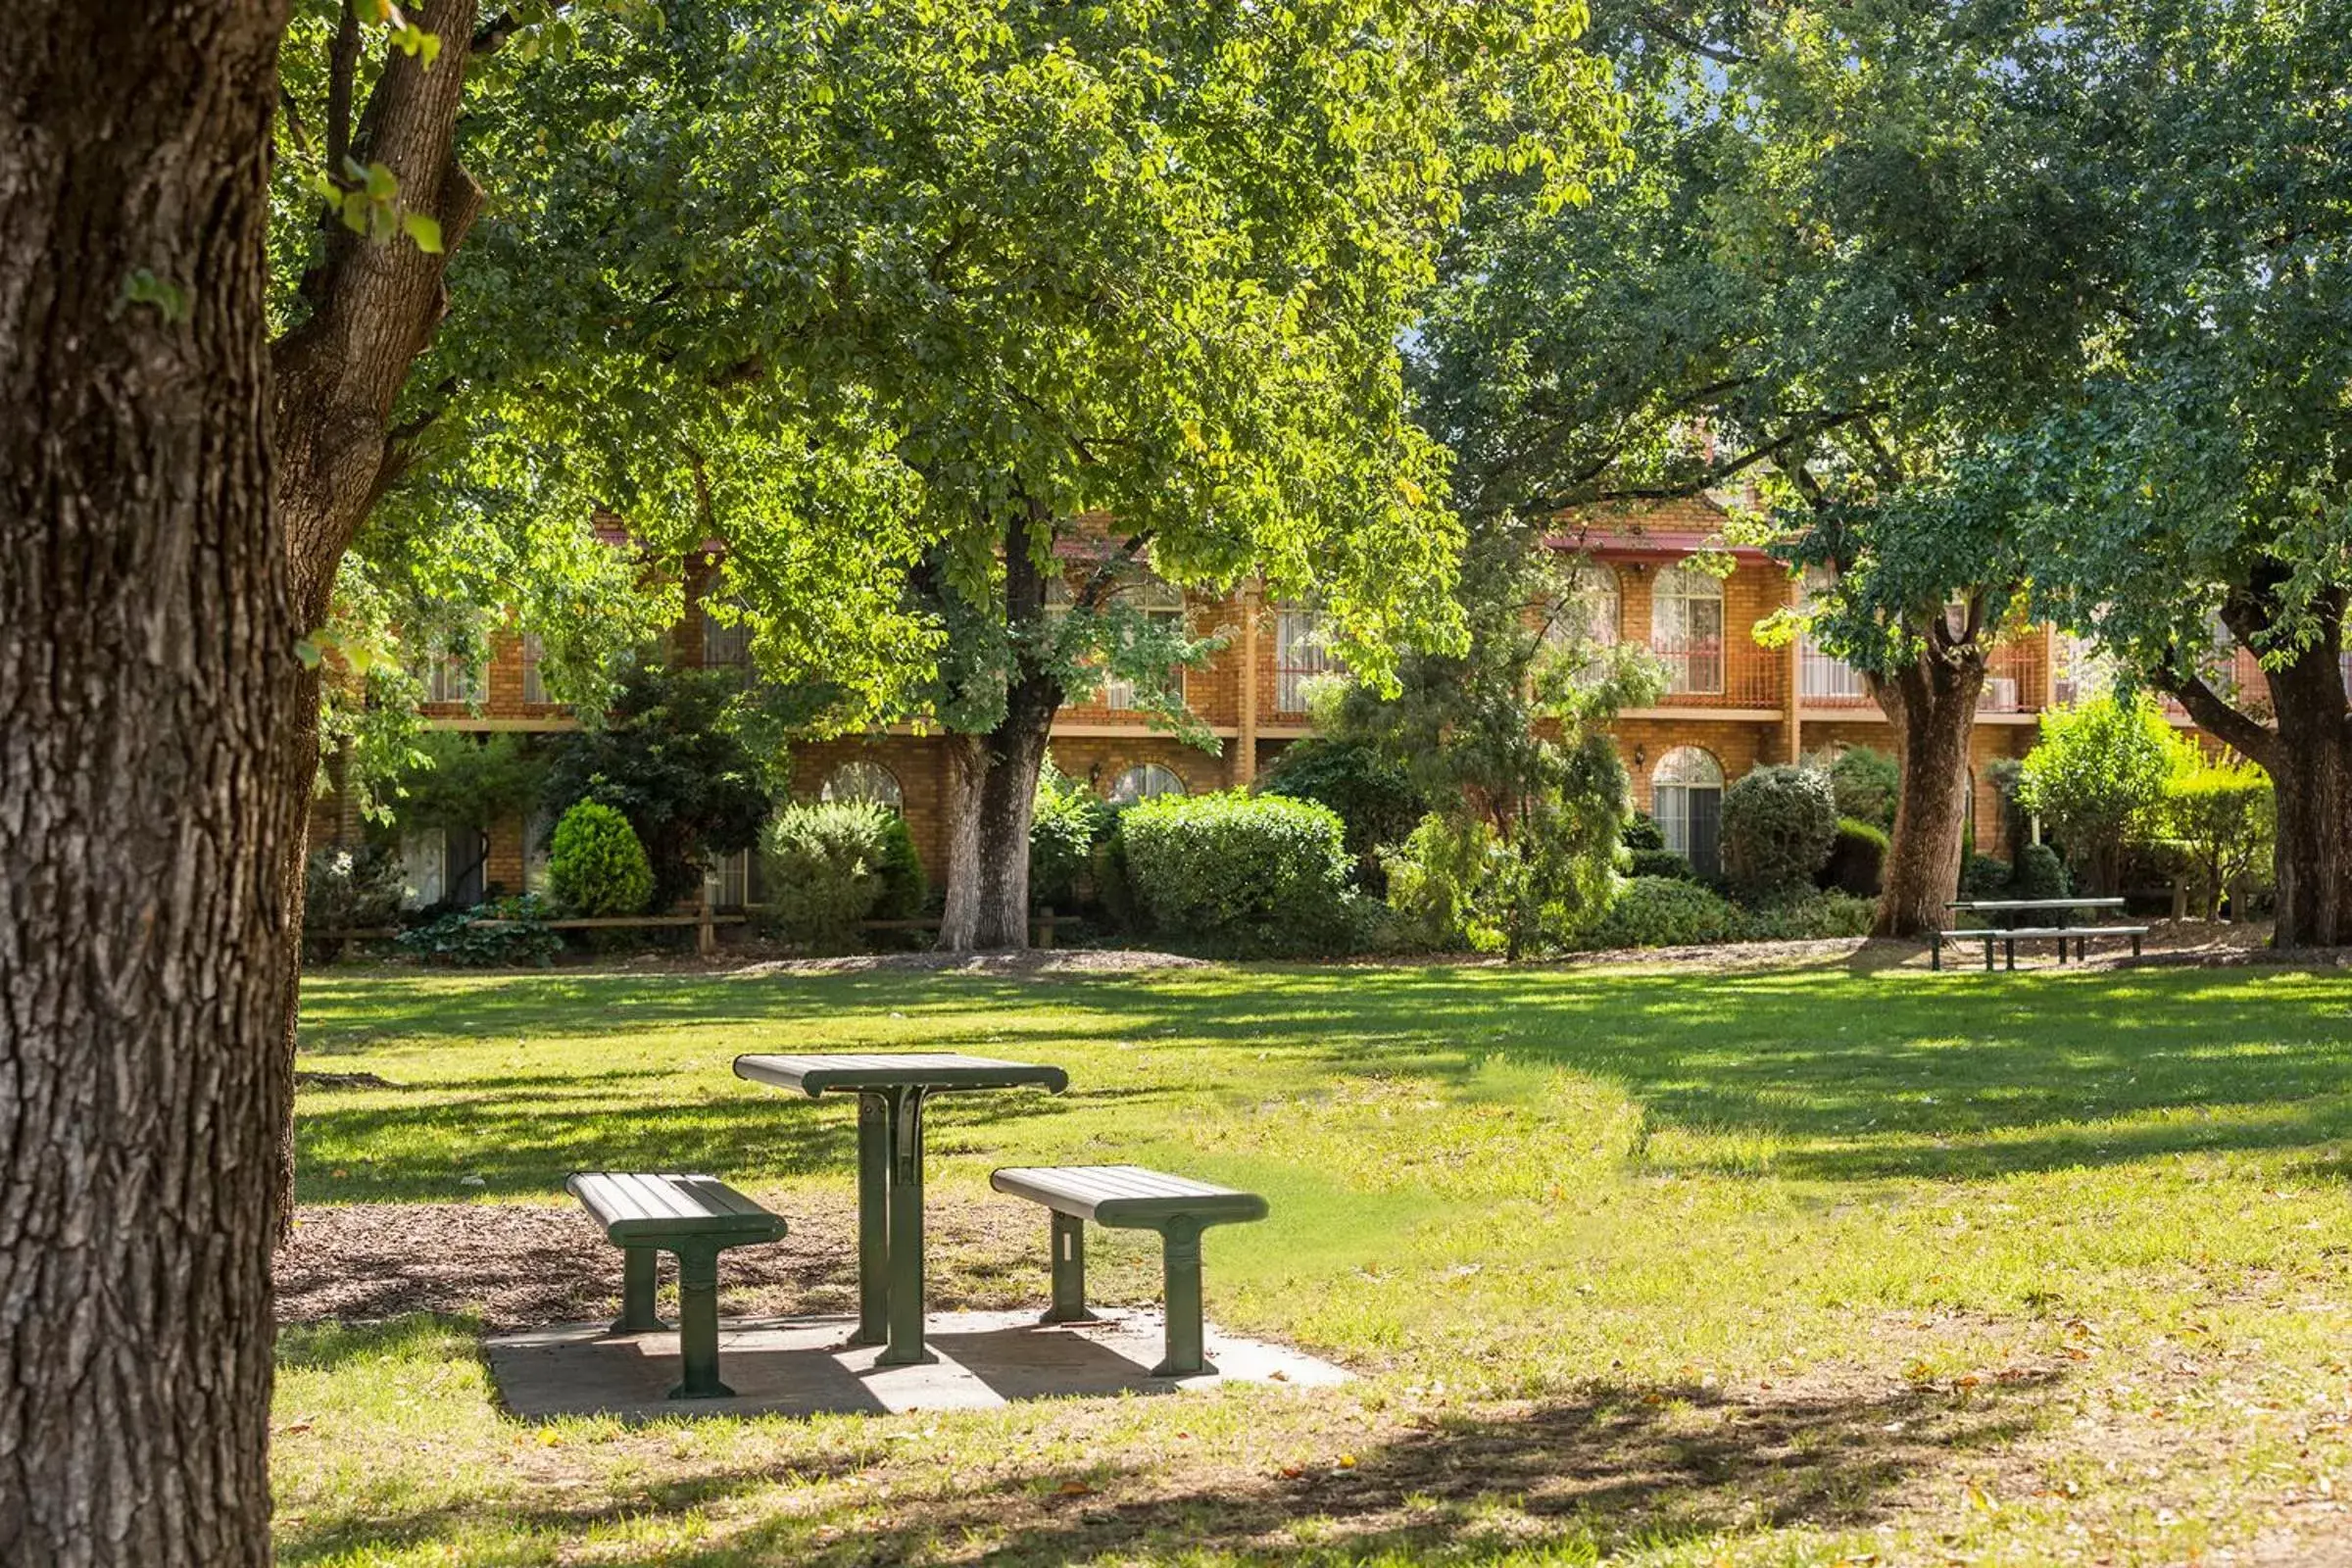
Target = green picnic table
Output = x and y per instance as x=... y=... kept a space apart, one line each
x=892 y=1089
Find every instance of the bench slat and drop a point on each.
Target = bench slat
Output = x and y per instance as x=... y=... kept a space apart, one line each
x=638 y=1205
x=2026 y=933
x=1126 y=1194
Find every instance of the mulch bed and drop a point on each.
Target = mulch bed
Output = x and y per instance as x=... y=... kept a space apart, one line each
x=517 y=1265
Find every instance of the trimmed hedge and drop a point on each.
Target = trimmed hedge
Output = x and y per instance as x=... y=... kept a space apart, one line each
x=507 y=932
x=1984 y=876
x=1657 y=911
x=1867 y=784
x=1248 y=875
x=596 y=865
x=1376 y=799
x=1778 y=823
x=1857 y=862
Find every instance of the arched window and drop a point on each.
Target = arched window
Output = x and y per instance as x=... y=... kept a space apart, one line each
x=1686 y=796
x=1686 y=628
x=1142 y=781
x=863 y=780
x=1588 y=608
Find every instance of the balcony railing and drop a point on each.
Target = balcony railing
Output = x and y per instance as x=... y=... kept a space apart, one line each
x=1823 y=680
x=1712 y=672
x=1693 y=664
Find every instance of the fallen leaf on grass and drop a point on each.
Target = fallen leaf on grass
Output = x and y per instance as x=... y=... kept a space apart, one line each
x=1076 y=1488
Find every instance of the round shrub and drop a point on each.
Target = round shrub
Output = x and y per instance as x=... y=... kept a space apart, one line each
x=1376 y=799
x=1657 y=911
x=1661 y=862
x=1240 y=874
x=596 y=866
x=1778 y=823
x=831 y=864
x=1867 y=785
x=1064 y=827
x=1857 y=862
x=1984 y=876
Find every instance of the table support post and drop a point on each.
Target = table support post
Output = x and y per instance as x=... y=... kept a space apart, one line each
x=1179 y=1252
x=873 y=1219
x=905 y=1346
x=1069 y=1271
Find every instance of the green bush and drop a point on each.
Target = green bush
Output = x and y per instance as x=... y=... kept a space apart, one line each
x=1249 y=875
x=1642 y=832
x=1655 y=912
x=1067 y=821
x=831 y=864
x=349 y=889
x=670 y=753
x=1440 y=885
x=1376 y=799
x=1809 y=916
x=504 y=933
x=1984 y=876
x=2096 y=778
x=1661 y=862
x=1779 y=824
x=1867 y=784
x=2038 y=874
x=1857 y=862
x=596 y=866
x=2223 y=819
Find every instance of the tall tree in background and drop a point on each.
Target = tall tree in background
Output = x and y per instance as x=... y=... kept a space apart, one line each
x=2200 y=481
x=1039 y=300
x=1843 y=255
x=147 y=808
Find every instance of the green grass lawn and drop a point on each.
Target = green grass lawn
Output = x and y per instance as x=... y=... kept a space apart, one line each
x=1794 y=1266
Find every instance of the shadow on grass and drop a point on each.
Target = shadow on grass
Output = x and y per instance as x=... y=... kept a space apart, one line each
x=1619 y=1468
x=1855 y=1073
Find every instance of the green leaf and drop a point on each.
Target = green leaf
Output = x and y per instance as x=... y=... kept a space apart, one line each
x=424 y=230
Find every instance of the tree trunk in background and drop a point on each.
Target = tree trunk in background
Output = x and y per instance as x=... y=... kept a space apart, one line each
x=992 y=783
x=373 y=308
x=147 y=674
x=2311 y=769
x=1931 y=706
x=991 y=778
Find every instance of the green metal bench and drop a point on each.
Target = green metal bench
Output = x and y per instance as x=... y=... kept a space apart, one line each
x=1131 y=1198
x=695 y=1218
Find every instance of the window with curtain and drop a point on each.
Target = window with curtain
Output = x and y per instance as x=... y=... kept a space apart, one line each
x=1589 y=607
x=1300 y=656
x=1685 y=791
x=1685 y=629
x=1819 y=674
x=863 y=779
x=1142 y=781
x=1162 y=605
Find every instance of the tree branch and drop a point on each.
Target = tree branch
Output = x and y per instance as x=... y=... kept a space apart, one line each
x=342 y=66
x=2250 y=738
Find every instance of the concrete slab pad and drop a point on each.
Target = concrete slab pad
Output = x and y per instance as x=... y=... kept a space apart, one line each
x=805 y=1367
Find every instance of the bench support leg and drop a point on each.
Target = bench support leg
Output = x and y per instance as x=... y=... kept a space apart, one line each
x=637 y=1265
x=1935 y=950
x=2136 y=947
x=697 y=1325
x=2008 y=953
x=1069 y=1271
x=1179 y=1252
x=905 y=1339
x=1988 y=955
x=874 y=1221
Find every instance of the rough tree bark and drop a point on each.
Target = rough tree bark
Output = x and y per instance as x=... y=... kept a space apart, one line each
x=1931 y=705
x=372 y=307
x=147 y=670
x=991 y=778
x=2307 y=750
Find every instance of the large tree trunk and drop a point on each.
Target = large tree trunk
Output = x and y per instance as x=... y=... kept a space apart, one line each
x=1931 y=705
x=146 y=671
x=992 y=787
x=372 y=309
x=2308 y=753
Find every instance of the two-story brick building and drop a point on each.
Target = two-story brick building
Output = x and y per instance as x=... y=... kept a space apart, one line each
x=1732 y=704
